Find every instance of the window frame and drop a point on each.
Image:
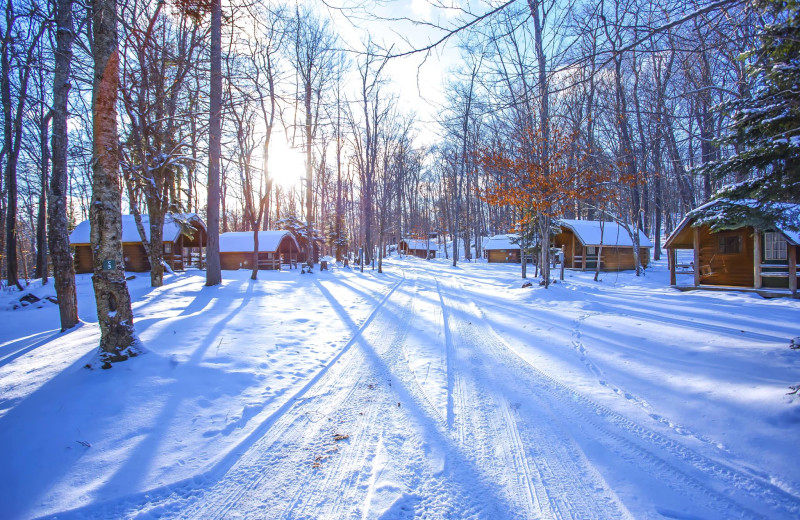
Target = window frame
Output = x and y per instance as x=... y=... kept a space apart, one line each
x=775 y=246
x=724 y=241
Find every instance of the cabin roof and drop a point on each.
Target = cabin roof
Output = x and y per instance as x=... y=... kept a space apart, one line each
x=614 y=235
x=675 y=239
x=419 y=244
x=242 y=241
x=501 y=242
x=81 y=235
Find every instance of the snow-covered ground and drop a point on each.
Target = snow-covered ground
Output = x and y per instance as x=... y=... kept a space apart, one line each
x=428 y=391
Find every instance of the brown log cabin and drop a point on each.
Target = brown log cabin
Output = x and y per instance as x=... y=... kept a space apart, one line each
x=184 y=242
x=733 y=259
x=275 y=248
x=418 y=248
x=580 y=241
x=502 y=249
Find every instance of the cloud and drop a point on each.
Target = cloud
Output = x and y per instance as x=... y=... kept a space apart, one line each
x=421 y=9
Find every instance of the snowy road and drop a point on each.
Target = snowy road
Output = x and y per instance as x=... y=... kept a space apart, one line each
x=429 y=411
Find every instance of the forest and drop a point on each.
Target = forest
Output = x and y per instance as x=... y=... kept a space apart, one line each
x=265 y=115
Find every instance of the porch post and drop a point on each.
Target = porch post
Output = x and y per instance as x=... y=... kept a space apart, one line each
x=696 y=243
x=792 y=268
x=671 y=263
x=583 y=266
x=757 y=259
x=572 y=264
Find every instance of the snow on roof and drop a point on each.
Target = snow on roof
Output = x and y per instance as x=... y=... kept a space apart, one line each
x=614 y=235
x=242 y=241
x=414 y=243
x=172 y=228
x=793 y=236
x=501 y=242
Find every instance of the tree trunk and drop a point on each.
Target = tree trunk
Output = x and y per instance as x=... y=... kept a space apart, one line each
x=41 y=217
x=118 y=340
x=213 y=268
x=599 y=250
x=11 y=158
x=544 y=246
x=58 y=238
x=309 y=168
x=155 y=252
x=254 y=271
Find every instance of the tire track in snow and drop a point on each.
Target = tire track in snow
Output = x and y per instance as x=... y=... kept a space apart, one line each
x=173 y=499
x=273 y=479
x=639 y=445
x=475 y=432
x=297 y=467
x=532 y=458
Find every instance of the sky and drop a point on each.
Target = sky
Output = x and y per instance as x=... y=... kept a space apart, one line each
x=418 y=80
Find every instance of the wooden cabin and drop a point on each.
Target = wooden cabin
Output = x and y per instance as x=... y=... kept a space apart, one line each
x=503 y=249
x=418 y=248
x=743 y=257
x=184 y=242
x=580 y=241
x=275 y=248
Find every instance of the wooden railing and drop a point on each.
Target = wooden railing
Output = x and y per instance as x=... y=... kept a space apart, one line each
x=783 y=273
x=577 y=261
x=269 y=263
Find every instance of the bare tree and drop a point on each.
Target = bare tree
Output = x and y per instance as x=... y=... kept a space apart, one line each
x=63 y=267
x=19 y=40
x=313 y=59
x=213 y=267
x=118 y=339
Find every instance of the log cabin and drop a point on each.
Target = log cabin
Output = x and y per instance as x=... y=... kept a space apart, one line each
x=504 y=250
x=580 y=241
x=275 y=248
x=417 y=247
x=184 y=242
x=744 y=257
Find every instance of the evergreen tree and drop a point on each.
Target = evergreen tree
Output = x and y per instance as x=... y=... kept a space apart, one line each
x=766 y=124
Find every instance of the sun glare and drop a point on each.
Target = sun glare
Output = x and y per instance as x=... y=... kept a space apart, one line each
x=286 y=165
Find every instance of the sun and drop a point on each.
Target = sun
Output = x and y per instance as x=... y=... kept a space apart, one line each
x=287 y=165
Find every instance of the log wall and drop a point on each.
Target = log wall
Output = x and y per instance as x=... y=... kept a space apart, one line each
x=718 y=268
x=503 y=256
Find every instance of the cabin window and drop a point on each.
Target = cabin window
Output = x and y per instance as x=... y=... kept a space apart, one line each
x=591 y=250
x=730 y=244
x=774 y=246
x=168 y=247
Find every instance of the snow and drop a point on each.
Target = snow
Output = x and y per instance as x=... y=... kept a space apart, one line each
x=414 y=243
x=427 y=391
x=172 y=229
x=501 y=242
x=242 y=241
x=588 y=231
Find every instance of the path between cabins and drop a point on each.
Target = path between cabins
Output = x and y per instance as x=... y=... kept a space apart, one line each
x=451 y=423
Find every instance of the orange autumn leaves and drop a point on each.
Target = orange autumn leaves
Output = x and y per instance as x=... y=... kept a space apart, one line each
x=542 y=175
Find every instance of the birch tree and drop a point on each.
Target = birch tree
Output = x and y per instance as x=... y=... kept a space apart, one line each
x=118 y=340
